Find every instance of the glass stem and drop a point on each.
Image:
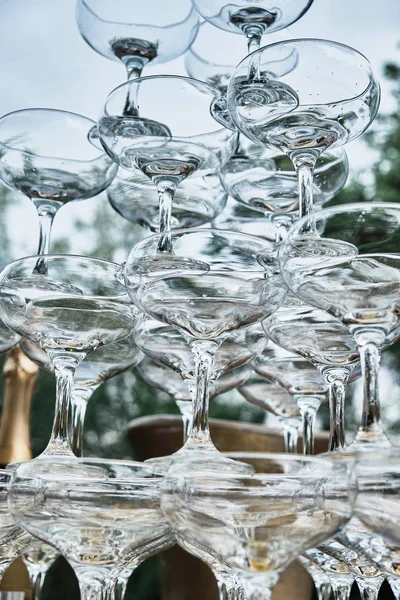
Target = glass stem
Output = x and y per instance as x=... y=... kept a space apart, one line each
x=79 y=400
x=304 y=163
x=336 y=379
x=290 y=428
x=308 y=407
x=120 y=586
x=281 y=225
x=341 y=587
x=369 y=341
x=65 y=365
x=94 y=583
x=229 y=591
x=204 y=355
x=46 y=212
x=186 y=410
x=260 y=587
x=323 y=588
x=134 y=68
x=254 y=34
x=369 y=587
x=394 y=583
x=166 y=192
x=37 y=575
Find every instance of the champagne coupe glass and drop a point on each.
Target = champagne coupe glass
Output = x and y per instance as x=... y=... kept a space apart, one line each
x=197 y=201
x=167 y=345
x=137 y=33
x=78 y=306
x=215 y=53
x=345 y=260
x=269 y=185
x=329 y=98
x=98 y=366
x=104 y=516
x=298 y=377
x=252 y=18
x=53 y=158
x=327 y=343
x=213 y=283
x=213 y=58
x=277 y=401
x=169 y=381
x=172 y=135
x=256 y=523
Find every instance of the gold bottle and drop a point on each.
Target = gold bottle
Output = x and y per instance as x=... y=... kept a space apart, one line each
x=20 y=375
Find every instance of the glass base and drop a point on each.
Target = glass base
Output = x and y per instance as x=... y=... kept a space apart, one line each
x=200 y=457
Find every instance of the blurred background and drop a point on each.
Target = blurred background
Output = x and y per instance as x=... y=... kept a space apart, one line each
x=46 y=63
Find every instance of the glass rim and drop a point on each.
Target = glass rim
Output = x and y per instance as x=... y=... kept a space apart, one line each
x=372 y=79
x=132 y=24
x=47 y=256
x=7 y=282
x=182 y=232
x=93 y=124
x=215 y=91
x=338 y=209
x=75 y=462
x=323 y=468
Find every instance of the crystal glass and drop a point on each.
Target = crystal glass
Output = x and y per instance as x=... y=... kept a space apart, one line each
x=167 y=346
x=324 y=341
x=78 y=306
x=344 y=260
x=170 y=134
x=96 y=368
x=183 y=392
x=215 y=53
x=329 y=98
x=137 y=34
x=197 y=201
x=103 y=516
x=256 y=524
x=269 y=185
x=278 y=402
x=300 y=379
x=252 y=18
x=211 y=284
x=52 y=157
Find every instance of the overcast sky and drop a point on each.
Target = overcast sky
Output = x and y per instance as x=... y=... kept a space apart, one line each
x=46 y=63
